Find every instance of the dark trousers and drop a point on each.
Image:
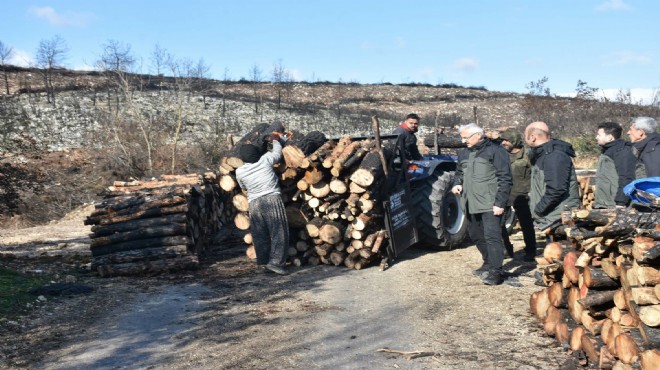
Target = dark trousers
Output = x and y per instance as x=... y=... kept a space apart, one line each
x=270 y=229
x=485 y=230
x=524 y=215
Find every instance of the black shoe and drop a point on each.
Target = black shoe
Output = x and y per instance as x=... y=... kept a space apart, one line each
x=493 y=277
x=276 y=269
x=484 y=268
x=509 y=250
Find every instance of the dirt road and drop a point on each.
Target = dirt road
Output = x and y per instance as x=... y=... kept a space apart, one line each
x=229 y=315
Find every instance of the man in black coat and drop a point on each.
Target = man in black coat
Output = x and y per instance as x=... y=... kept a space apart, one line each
x=646 y=144
x=616 y=167
x=407 y=129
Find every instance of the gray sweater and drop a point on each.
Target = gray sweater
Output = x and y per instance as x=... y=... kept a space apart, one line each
x=259 y=178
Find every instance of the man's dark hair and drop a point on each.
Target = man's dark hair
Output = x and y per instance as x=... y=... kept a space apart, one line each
x=412 y=115
x=611 y=128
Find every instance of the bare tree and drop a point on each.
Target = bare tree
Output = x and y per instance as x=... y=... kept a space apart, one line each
x=160 y=59
x=256 y=78
x=51 y=55
x=6 y=53
x=279 y=77
x=116 y=60
x=225 y=80
x=188 y=76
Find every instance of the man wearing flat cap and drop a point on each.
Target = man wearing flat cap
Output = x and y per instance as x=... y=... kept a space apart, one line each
x=521 y=171
x=270 y=229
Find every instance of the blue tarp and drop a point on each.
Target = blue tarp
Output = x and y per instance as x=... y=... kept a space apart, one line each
x=650 y=185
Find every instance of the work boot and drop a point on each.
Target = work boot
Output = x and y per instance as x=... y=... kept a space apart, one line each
x=484 y=268
x=492 y=277
x=276 y=269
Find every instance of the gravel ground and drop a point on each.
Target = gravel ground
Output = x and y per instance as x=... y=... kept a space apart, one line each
x=228 y=314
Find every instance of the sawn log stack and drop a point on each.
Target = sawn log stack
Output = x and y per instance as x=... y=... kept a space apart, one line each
x=603 y=296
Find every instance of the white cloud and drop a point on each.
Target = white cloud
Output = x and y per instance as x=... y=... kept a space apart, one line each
x=21 y=58
x=61 y=20
x=613 y=5
x=626 y=57
x=400 y=42
x=466 y=64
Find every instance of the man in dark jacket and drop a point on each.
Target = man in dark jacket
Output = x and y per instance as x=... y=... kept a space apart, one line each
x=554 y=185
x=521 y=171
x=407 y=129
x=483 y=179
x=616 y=167
x=646 y=144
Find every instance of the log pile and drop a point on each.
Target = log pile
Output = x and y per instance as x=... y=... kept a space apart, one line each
x=147 y=227
x=587 y=185
x=602 y=300
x=333 y=198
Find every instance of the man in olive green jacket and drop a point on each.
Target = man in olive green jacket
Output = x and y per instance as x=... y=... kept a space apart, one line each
x=483 y=179
x=554 y=185
x=521 y=171
x=616 y=167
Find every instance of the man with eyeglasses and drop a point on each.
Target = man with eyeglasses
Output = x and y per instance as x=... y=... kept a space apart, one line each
x=483 y=180
x=646 y=146
x=554 y=185
x=407 y=129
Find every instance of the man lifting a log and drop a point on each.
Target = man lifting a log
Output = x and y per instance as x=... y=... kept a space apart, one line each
x=270 y=229
x=407 y=129
x=483 y=179
x=554 y=185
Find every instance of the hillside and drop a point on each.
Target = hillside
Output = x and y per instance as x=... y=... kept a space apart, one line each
x=91 y=128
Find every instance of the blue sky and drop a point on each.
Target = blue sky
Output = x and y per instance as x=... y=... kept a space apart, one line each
x=501 y=45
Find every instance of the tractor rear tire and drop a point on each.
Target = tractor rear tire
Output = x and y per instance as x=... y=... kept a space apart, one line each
x=440 y=219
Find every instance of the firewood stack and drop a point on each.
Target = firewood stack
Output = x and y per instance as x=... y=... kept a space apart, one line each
x=147 y=227
x=603 y=296
x=587 y=190
x=332 y=193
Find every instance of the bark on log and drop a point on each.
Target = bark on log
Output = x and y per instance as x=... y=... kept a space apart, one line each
x=137 y=255
x=141 y=244
x=149 y=267
x=149 y=213
x=103 y=230
x=645 y=249
x=144 y=233
x=596 y=298
x=597 y=278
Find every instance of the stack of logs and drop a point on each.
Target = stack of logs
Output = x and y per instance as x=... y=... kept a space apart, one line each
x=603 y=296
x=146 y=227
x=332 y=194
x=587 y=190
